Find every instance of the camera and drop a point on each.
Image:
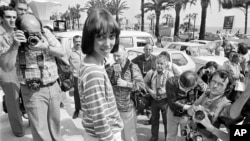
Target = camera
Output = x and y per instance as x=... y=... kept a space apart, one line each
x=199 y=115
x=32 y=37
x=33 y=84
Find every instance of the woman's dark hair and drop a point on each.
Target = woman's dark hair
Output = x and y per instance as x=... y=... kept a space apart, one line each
x=211 y=64
x=188 y=79
x=224 y=74
x=242 y=49
x=99 y=21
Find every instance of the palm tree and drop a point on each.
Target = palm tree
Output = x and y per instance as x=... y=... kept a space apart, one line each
x=167 y=17
x=194 y=15
x=92 y=4
x=204 y=6
x=179 y=4
x=78 y=9
x=151 y=17
x=157 y=6
x=188 y=17
x=116 y=8
x=142 y=15
x=242 y=5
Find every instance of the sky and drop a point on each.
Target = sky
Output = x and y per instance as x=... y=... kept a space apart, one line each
x=215 y=18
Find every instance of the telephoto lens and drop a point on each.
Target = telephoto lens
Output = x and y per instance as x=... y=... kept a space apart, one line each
x=199 y=115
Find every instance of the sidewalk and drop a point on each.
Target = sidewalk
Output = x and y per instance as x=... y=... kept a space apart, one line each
x=71 y=129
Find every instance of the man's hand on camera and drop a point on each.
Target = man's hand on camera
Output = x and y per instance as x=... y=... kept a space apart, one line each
x=41 y=45
x=205 y=122
x=18 y=38
x=122 y=83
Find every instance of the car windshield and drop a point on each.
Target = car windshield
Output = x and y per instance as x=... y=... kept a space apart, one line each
x=198 y=51
x=142 y=41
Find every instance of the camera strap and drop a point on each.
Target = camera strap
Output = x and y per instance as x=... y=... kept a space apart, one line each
x=22 y=59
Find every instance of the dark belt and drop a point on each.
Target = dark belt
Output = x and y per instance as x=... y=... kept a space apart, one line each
x=47 y=85
x=42 y=85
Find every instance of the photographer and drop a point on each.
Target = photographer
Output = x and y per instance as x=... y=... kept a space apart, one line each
x=8 y=80
x=180 y=100
x=210 y=106
x=125 y=77
x=33 y=52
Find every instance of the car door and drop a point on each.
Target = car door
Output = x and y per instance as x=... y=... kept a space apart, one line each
x=183 y=61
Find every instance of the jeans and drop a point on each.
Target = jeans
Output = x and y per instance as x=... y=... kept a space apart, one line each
x=43 y=109
x=76 y=95
x=130 y=120
x=11 y=87
x=156 y=108
x=173 y=124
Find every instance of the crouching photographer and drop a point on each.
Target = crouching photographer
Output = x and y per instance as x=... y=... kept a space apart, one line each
x=33 y=52
x=210 y=106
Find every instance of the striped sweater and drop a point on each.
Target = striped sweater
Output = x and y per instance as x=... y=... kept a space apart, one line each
x=101 y=118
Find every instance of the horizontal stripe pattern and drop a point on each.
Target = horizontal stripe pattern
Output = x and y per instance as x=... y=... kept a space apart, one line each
x=101 y=118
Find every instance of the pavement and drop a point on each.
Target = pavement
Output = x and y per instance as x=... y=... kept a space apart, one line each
x=71 y=129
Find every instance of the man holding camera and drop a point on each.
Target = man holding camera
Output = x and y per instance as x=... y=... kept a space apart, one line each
x=8 y=80
x=210 y=106
x=180 y=100
x=125 y=77
x=33 y=52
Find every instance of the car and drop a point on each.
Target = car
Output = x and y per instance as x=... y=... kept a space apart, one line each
x=200 y=53
x=179 y=58
x=134 y=39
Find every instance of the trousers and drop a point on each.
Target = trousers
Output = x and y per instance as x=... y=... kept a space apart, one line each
x=43 y=109
x=130 y=120
x=76 y=95
x=11 y=88
x=172 y=127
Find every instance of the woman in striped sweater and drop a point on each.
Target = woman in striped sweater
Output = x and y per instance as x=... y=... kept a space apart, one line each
x=101 y=118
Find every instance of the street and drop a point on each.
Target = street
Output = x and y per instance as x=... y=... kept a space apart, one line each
x=71 y=129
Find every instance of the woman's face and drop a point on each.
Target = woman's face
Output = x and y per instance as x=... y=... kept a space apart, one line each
x=104 y=43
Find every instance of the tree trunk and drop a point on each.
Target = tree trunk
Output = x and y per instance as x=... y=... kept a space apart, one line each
x=189 y=24
x=157 y=31
x=177 y=19
x=203 y=21
x=246 y=14
x=78 y=22
x=142 y=15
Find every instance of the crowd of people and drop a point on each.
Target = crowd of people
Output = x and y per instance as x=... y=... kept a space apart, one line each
x=197 y=104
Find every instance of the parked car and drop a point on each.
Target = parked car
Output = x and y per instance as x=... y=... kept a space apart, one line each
x=200 y=53
x=179 y=58
x=131 y=39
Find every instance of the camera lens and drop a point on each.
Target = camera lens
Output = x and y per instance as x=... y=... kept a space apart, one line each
x=33 y=40
x=199 y=115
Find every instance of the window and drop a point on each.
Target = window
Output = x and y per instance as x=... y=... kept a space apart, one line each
x=142 y=41
x=179 y=59
x=126 y=42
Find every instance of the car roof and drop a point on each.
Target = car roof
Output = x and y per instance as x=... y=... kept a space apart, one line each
x=68 y=34
x=125 y=33
x=202 y=41
x=187 y=44
x=156 y=50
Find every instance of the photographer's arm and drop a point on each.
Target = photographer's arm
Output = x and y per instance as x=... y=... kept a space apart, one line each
x=238 y=105
x=55 y=48
x=8 y=59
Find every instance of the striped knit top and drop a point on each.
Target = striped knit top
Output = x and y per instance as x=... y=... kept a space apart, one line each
x=101 y=118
